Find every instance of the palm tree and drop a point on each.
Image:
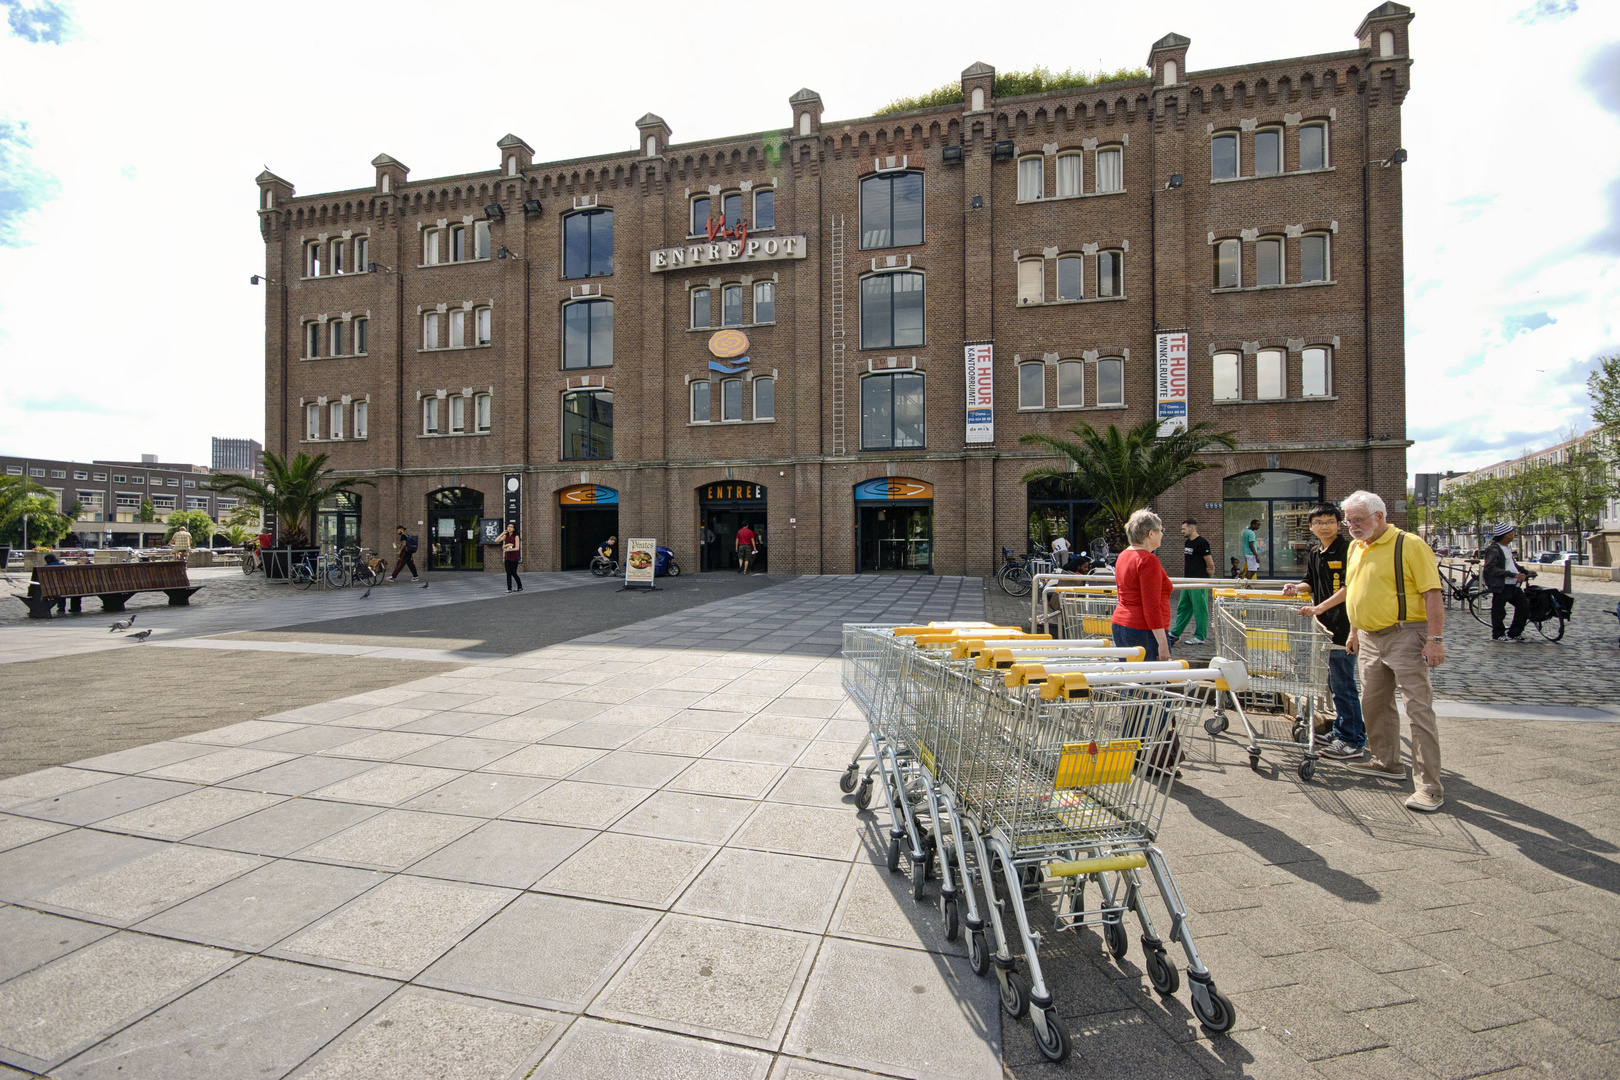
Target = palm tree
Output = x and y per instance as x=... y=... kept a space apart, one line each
x=1125 y=471
x=18 y=496
x=291 y=490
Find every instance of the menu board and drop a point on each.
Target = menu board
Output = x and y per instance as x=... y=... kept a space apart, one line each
x=639 y=559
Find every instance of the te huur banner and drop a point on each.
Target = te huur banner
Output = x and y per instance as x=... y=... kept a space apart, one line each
x=639 y=556
x=981 y=393
x=1172 y=368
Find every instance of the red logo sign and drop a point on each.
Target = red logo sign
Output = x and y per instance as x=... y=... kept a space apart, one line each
x=717 y=229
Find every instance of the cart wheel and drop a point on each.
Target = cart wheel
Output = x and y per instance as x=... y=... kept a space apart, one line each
x=1215 y=724
x=1307 y=769
x=978 y=954
x=919 y=880
x=894 y=854
x=1161 y=972
x=851 y=777
x=1114 y=937
x=1220 y=1016
x=1254 y=762
x=1050 y=1036
x=863 y=797
x=1014 y=1002
x=1301 y=732
x=953 y=920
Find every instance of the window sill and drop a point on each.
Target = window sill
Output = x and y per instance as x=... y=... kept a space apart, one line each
x=1070 y=408
x=892 y=247
x=703 y=237
x=894 y=449
x=1267 y=288
x=589 y=277
x=595 y=367
x=451 y=348
x=452 y=434
x=341 y=356
x=729 y=326
x=1063 y=303
x=352 y=438
x=586 y=460
x=1271 y=176
x=1277 y=400
x=453 y=262
x=1066 y=198
x=729 y=423
x=334 y=277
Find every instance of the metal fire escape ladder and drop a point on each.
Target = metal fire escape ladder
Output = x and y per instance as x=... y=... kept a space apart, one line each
x=838 y=373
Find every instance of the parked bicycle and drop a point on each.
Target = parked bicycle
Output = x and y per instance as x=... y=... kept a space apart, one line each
x=1014 y=574
x=252 y=561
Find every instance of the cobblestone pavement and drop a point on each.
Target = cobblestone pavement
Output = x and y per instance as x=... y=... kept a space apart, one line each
x=626 y=855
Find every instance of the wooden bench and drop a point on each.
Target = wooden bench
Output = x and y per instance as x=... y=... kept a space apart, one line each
x=114 y=584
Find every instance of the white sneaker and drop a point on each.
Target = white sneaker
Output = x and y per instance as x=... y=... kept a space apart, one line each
x=1193 y=641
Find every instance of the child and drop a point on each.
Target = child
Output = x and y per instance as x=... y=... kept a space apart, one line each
x=1237 y=570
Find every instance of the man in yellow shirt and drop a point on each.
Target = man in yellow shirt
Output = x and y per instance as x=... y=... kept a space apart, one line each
x=1396 y=626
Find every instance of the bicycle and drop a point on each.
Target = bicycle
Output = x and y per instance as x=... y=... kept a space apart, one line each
x=252 y=561
x=1013 y=575
x=302 y=574
x=1463 y=587
x=361 y=572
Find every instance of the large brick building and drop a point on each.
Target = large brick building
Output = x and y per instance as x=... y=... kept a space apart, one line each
x=543 y=338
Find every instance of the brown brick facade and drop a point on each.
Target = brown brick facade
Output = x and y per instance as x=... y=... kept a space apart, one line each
x=975 y=232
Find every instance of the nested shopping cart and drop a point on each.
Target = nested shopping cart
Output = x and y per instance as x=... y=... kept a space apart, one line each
x=1286 y=655
x=1088 y=610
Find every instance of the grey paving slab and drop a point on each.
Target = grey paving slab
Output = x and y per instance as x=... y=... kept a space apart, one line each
x=552 y=952
x=311 y=738
x=878 y=906
x=678 y=815
x=258 y=909
x=185 y=815
x=56 y=1010
x=387 y=785
x=600 y=736
x=594 y=1048
x=740 y=779
x=765 y=749
x=640 y=870
x=220 y=765
x=812 y=787
x=511 y=854
x=301 y=775
x=785 y=891
x=712 y=979
x=17 y=831
x=392 y=840
x=480 y=794
x=822 y=754
x=569 y=802
x=84 y=806
x=59 y=860
x=708 y=720
x=928 y=1016
x=778 y=726
x=685 y=742
x=545 y=760
x=520 y=728
x=385 y=745
x=455 y=721
x=462 y=753
x=427 y=1033
x=218 y=1029
x=45 y=783
x=284 y=828
x=385 y=717
x=632 y=769
x=31 y=938
x=140 y=758
x=248 y=731
x=396 y=929
x=135 y=890
x=801 y=830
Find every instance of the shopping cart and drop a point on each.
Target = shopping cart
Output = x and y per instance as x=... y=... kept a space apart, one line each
x=1286 y=655
x=1088 y=610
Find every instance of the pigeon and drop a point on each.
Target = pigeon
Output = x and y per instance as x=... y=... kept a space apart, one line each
x=425 y=584
x=365 y=594
x=140 y=635
x=122 y=624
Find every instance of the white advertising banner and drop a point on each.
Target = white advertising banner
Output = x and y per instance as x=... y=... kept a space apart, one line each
x=981 y=393
x=1171 y=358
x=640 y=557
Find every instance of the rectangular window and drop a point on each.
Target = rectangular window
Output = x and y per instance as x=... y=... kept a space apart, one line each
x=1313 y=263
x=588 y=334
x=458 y=414
x=733 y=207
x=1110 y=274
x=360 y=328
x=483 y=319
x=588 y=425
x=312 y=340
x=1071 y=377
x=700 y=403
x=765 y=398
x=765 y=301
x=1226 y=377
x=312 y=260
x=1269 y=383
x=892 y=411
x=458 y=329
x=1069 y=278
x=1228 y=258
x=1313 y=147
x=1070 y=169
x=1031 y=171
x=13 y=470
x=430 y=247
x=197 y=502
x=77 y=475
x=163 y=502
x=172 y=481
x=1315 y=369
x=1268 y=262
x=1031 y=386
x=360 y=411
x=337 y=339
x=731 y=399
x=337 y=256
x=94 y=476
x=700 y=216
x=891 y=310
x=1110 y=170
x=36 y=472
x=1267 y=152
x=362 y=255
x=892 y=210
x=336 y=420
x=1223 y=157
x=118 y=478
x=731 y=305
x=588 y=244
x=430 y=416
x=59 y=474
x=480 y=239
x=1031 y=281
x=765 y=208
x=226 y=504
x=458 y=243
x=430 y=330
x=481 y=411
x=701 y=316
x=1110 y=382
x=312 y=421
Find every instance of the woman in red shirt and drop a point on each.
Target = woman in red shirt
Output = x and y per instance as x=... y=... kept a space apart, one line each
x=1143 y=614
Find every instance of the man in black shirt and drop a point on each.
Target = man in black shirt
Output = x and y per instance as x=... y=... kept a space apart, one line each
x=1324 y=576
x=1192 y=605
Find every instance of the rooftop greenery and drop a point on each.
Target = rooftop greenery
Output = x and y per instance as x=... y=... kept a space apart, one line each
x=1014 y=83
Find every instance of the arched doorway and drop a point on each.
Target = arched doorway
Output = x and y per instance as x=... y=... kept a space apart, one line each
x=453 y=515
x=1280 y=501
x=590 y=514
x=1055 y=509
x=724 y=507
x=894 y=524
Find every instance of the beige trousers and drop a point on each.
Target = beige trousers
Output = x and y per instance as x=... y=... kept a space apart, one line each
x=1389 y=658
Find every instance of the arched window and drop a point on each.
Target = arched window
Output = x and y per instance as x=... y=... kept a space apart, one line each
x=700 y=216
x=587 y=425
x=1270 y=375
x=978 y=100
x=1031 y=281
x=481 y=317
x=1228 y=264
x=1032 y=385
x=764 y=208
x=1316 y=371
x=1110 y=169
x=1031 y=172
x=588 y=244
x=700 y=402
x=337 y=339
x=312 y=259
x=362 y=329
x=702 y=316
x=312 y=340
x=1223 y=156
x=765 y=398
x=1070 y=277
x=1071 y=379
x=1313 y=257
x=588 y=334
x=430 y=247
x=1226 y=376
x=1111 y=382
x=1169 y=73
x=764 y=301
x=1268 y=152
x=731 y=305
x=732 y=203
x=1268 y=261
x=1386 y=43
x=1110 y=273
x=1070 y=175
x=891 y=310
x=1313 y=146
x=731 y=397
x=892 y=210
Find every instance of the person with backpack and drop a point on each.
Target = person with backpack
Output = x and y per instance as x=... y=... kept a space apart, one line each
x=407 y=544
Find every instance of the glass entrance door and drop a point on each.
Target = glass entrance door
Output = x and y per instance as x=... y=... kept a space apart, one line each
x=896 y=536
x=453 y=515
x=1280 y=502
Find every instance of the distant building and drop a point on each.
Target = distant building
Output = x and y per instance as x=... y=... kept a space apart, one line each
x=110 y=495
x=237 y=456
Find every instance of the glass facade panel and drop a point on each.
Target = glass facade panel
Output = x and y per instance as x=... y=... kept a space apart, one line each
x=588 y=244
x=892 y=411
x=891 y=310
x=587 y=425
x=1031 y=386
x=588 y=334
x=1267 y=153
x=892 y=210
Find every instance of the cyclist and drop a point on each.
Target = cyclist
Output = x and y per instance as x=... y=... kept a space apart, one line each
x=1506 y=582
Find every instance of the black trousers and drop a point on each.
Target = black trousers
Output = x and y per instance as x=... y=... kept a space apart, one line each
x=405 y=559
x=512 y=575
x=1509 y=594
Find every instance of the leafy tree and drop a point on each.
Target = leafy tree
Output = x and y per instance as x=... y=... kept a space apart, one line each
x=196 y=522
x=292 y=490
x=47 y=523
x=1604 y=386
x=239 y=535
x=1526 y=492
x=1013 y=83
x=147 y=513
x=1580 y=487
x=1473 y=505
x=14 y=491
x=1125 y=471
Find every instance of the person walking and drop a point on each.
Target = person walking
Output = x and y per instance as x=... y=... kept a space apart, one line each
x=511 y=555
x=1251 y=550
x=1142 y=615
x=1506 y=582
x=1192 y=605
x=745 y=548
x=1397 y=623
x=407 y=551
x=1324 y=580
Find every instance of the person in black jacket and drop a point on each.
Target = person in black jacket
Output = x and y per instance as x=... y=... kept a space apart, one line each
x=1506 y=582
x=1324 y=577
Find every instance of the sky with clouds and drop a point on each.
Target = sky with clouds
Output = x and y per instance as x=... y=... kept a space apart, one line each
x=130 y=134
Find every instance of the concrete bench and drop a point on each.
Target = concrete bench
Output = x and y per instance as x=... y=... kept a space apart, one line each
x=113 y=584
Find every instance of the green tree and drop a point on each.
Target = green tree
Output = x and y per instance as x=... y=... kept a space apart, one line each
x=292 y=490
x=1473 y=505
x=1580 y=487
x=14 y=492
x=239 y=535
x=196 y=522
x=147 y=513
x=46 y=523
x=1526 y=492
x=1125 y=471
x=1604 y=386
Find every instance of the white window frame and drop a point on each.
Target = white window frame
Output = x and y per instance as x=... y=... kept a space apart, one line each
x=362 y=331
x=1237 y=154
x=481 y=413
x=458 y=328
x=430 y=330
x=312 y=340
x=1386 y=43
x=312 y=259
x=458 y=414
x=1117 y=153
x=708 y=308
x=1327 y=257
x=708 y=402
x=1224 y=366
x=1118 y=257
x=1305 y=360
x=458 y=243
x=430 y=415
x=483 y=320
x=1097 y=380
x=1031 y=180
x=336 y=255
x=1327 y=160
x=334 y=337
x=1282 y=155
x=1079 y=262
x=481 y=240
x=736 y=290
x=764 y=287
x=1280 y=245
x=1037 y=400
x=724 y=419
x=760 y=383
x=1031 y=281
x=753 y=223
x=312 y=421
x=1271 y=366
x=430 y=247
x=362 y=254
x=361 y=408
x=335 y=420
x=1076 y=368
x=700 y=228
x=78 y=475
x=1076 y=162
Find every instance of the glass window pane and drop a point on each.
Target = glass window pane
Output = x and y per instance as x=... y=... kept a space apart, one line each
x=700 y=402
x=361 y=328
x=1267 y=153
x=733 y=205
x=361 y=408
x=601 y=242
x=312 y=418
x=337 y=420
x=1031 y=281
x=765 y=302
x=482 y=401
x=1313 y=373
x=1071 y=383
x=1226 y=264
x=1268 y=262
x=1223 y=157
x=576 y=336
x=1029 y=178
x=1312 y=146
x=1313 y=258
x=1268 y=374
x=362 y=255
x=908 y=309
x=430 y=250
x=700 y=308
x=731 y=399
x=877 y=220
x=458 y=329
x=700 y=215
x=908 y=410
x=1110 y=382
x=877 y=413
x=337 y=256
x=1110 y=171
x=337 y=339
x=731 y=305
x=876 y=311
x=1068 y=175
x=1226 y=377
x=458 y=413
x=765 y=208
x=1068 y=278
x=908 y=209
x=1108 y=274
x=764 y=399
x=483 y=326
x=601 y=333
x=1031 y=386
x=430 y=333
x=481 y=239
x=576 y=246
x=458 y=243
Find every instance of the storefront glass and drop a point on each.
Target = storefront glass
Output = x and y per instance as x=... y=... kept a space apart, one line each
x=723 y=508
x=895 y=524
x=337 y=523
x=1057 y=509
x=453 y=515
x=590 y=514
x=1281 y=502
